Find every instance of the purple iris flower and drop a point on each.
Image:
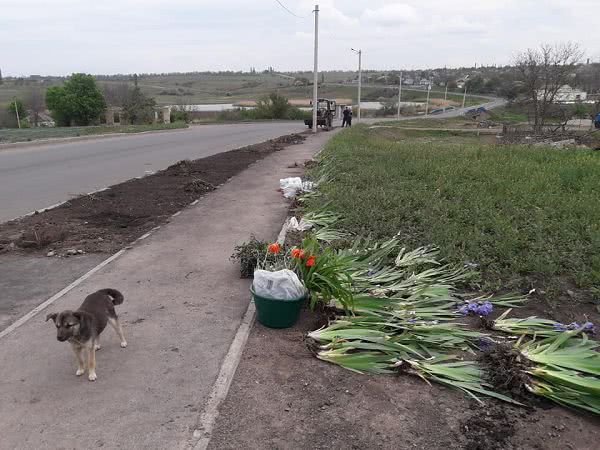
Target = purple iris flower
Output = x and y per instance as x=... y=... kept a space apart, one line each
x=479 y=308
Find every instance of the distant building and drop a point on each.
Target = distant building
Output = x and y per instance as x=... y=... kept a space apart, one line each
x=567 y=94
x=408 y=81
x=424 y=82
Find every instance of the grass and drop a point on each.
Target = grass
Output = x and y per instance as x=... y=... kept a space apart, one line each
x=521 y=213
x=10 y=135
x=511 y=114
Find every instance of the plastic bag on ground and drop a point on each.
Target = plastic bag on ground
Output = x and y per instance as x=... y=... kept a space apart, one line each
x=303 y=225
x=280 y=285
x=291 y=186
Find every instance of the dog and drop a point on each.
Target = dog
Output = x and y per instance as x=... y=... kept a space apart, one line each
x=82 y=328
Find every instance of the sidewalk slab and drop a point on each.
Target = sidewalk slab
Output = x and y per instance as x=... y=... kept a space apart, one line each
x=184 y=301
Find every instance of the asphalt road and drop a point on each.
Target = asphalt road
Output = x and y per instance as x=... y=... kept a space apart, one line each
x=38 y=176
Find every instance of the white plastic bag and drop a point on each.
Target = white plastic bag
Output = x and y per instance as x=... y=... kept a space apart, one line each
x=291 y=186
x=280 y=285
x=303 y=225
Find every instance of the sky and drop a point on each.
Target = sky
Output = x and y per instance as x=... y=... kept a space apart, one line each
x=58 y=37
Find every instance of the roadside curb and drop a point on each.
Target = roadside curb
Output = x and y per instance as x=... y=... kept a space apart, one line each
x=67 y=140
x=203 y=433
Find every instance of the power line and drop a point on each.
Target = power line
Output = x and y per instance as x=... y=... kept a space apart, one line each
x=290 y=11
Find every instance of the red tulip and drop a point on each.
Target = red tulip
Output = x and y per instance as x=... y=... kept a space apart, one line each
x=310 y=261
x=274 y=248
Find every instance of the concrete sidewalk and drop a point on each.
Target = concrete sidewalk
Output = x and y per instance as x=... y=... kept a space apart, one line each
x=184 y=301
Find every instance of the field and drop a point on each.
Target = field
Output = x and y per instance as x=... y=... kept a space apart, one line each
x=197 y=88
x=10 y=135
x=526 y=217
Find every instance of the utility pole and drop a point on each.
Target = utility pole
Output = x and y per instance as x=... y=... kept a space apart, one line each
x=359 y=52
x=399 y=94
x=17 y=113
x=465 y=93
x=446 y=93
x=316 y=72
x=427 y=104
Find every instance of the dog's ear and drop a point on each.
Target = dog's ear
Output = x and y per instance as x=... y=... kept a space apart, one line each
x=52 y=316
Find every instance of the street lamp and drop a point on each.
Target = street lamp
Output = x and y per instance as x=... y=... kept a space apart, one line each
x=359 y=53
x=465 y=93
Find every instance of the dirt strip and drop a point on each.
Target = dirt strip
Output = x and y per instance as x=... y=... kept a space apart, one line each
x=107 y=221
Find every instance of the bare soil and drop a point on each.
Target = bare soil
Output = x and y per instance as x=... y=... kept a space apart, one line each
x=109 y=220
x=282 y=397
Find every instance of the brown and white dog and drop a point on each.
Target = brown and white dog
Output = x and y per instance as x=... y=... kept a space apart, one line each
x=82 y=328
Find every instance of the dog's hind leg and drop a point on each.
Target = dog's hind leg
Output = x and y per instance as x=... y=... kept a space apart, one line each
x=92 y=362
x=114 y=321
x=79 y=358
x=97 y=345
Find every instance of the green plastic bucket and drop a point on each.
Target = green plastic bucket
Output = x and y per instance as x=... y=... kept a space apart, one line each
x=275 y=313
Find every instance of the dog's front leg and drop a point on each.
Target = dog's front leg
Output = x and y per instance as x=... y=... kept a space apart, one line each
x=92 y=361
x=79 y=359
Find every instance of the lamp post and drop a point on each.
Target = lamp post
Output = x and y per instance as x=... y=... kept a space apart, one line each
x=427 y=104
x=465 y=93
x=316 y=72
x=359 y=53
x=399 y=94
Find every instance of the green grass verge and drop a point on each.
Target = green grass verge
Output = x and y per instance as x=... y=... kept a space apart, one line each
x=11 y=135
x=521 y=213
x=508 y=114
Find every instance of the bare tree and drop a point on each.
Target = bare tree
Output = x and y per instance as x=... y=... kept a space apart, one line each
x=543 y=72
x=35 y=102
x=116 y=94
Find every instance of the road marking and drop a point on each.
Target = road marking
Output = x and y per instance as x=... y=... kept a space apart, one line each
x=24 y=319
x=58 y=295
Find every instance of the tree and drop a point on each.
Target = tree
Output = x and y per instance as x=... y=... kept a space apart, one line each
x=138 y=108
x=115 y=94
x=11 y=113
x=543 y=72
x=1 y=80
x=79 y=101
x=35 y=103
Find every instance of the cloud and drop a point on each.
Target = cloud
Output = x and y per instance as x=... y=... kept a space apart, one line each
x=390 y=15
x=124 y=36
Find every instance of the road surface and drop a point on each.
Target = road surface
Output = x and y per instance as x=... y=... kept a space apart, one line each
x=38 y=176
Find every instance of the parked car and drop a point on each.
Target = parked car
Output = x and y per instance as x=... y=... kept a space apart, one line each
x=437 y=111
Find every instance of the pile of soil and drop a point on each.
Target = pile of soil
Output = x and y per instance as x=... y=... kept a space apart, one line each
x=106 y=221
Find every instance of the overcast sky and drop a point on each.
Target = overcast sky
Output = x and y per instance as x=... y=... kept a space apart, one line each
x=125 y=36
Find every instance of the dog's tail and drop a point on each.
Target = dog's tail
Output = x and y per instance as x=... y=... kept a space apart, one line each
x=115 y=296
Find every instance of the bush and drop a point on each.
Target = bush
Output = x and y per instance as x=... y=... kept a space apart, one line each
x=138 y=108
x=8 y=118
x=180 y=114
x=270 y=107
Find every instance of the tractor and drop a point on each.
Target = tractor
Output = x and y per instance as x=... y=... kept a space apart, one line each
x=326 y=111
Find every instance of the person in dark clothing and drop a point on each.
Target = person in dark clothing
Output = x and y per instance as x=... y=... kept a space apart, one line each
x=349 y=119
x=346 y=117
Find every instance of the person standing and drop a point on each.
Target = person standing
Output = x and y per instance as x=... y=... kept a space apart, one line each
x=346 y=115
x=349 y=119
